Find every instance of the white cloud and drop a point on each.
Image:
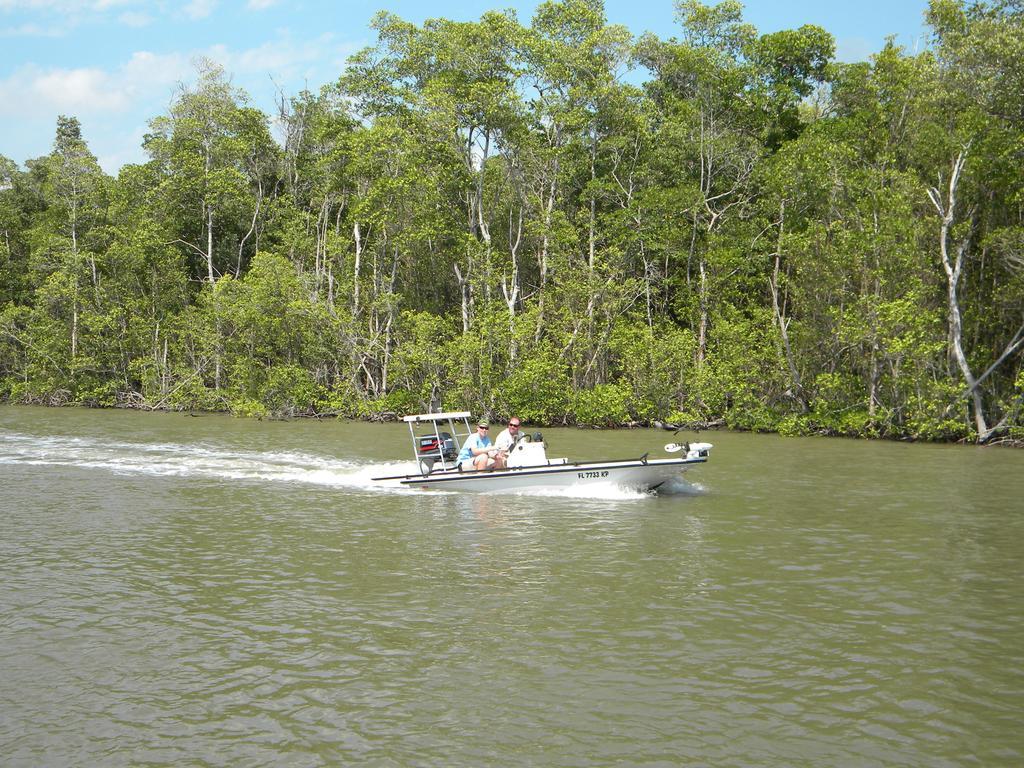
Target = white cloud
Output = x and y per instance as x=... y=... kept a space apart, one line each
x=64 y=6
x=277 y=56
x=102 y=5
x=78 y=90
x=33 y=30
x=31 y=5
x=60 y=18
x=116 y=102
x=31 y=91
x=284 y=57
x=199 y=9
x=145 y=68
x=146 y=79
x=260 y=5
x=135 y=19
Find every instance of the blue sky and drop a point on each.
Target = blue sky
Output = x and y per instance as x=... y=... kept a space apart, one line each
x=115 y=64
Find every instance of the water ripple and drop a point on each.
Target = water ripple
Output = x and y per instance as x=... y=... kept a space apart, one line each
x=219 y=609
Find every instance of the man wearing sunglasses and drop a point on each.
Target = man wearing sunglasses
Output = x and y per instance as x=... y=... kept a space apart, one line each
x=507 y=441
x=478 y=452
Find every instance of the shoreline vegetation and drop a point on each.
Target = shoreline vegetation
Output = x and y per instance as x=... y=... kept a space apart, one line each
x=556 y=219
x=391 y=417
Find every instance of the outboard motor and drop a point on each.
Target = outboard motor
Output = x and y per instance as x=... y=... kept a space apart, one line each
x=448 y=447
x=428 y=447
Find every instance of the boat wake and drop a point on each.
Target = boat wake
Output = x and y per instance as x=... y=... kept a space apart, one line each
x=221 y=463
x=611 y=492
x=680 y=487
x=196 y=461
x=600 y=491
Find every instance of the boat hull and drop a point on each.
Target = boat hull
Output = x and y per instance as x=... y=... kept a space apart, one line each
x=633 y=475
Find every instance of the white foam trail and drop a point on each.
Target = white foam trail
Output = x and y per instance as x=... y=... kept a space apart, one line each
x=177 y=460
x=611 y=492
x=204 y=460
x=680 y=487
x=603 y=491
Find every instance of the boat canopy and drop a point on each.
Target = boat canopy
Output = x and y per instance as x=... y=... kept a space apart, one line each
x=437 y=416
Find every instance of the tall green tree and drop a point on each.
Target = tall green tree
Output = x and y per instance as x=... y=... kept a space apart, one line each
x=973 y=185
x=217 y=166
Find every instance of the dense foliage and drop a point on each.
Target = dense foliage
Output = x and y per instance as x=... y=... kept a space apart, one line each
x=496 y=216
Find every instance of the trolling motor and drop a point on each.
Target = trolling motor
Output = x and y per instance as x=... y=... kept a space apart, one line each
x=697 y=449
x=692 y=450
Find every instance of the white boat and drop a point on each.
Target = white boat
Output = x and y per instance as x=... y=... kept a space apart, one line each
x=437 y=439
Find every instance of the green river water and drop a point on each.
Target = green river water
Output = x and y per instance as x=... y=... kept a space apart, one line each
x=208 y=591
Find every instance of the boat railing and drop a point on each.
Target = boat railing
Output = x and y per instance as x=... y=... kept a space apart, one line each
x=439 y=439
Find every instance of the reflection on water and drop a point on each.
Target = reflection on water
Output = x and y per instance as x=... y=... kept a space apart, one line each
x=212 y=591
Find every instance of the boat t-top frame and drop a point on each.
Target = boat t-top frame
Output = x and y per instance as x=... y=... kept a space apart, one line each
x=433 y=443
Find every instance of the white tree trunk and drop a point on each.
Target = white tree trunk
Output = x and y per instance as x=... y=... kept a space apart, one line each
x=357 y=235
x=945 y=203
x=781 y=321
x=209 y=243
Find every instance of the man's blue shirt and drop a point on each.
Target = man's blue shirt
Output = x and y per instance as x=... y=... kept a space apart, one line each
x=474 y=441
